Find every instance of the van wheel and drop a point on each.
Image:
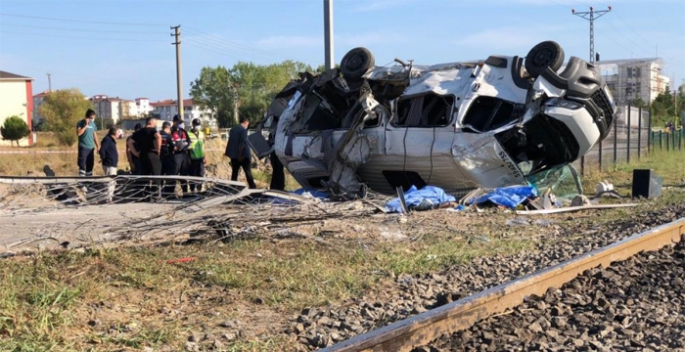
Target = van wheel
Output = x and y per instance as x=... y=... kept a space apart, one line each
x=356 y=63
x=546 y=54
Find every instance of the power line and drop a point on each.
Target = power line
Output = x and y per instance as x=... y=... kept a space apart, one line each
x=210 y=47
x=217 y=46
x=81 y=21
x=218 y=41
x=71 y=37
x=75 y=29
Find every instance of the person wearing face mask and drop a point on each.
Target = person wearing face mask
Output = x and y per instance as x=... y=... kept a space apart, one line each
x=196 y=151
x=88 y=144
x=181 y=142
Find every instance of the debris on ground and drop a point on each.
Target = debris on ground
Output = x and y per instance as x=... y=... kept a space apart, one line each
x=426 y=198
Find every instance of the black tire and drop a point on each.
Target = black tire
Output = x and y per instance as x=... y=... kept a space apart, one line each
x=356 y=63
x=546 y=54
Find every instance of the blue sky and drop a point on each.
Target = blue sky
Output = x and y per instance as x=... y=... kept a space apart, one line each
x=123 y=48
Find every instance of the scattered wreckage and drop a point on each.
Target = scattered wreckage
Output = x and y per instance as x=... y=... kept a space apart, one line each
x=461 y=125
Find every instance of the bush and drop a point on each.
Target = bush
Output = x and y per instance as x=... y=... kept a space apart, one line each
x=14 y=129
x=62 y=110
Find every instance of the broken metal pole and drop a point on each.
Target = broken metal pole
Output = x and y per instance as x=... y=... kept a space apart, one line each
x=328 y=32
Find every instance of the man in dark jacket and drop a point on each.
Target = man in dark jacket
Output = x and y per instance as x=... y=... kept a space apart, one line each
x=109 y=154
x=239 y=151
x=133 y=161
x=148 y=143
x=110 y=159
x=168 y=160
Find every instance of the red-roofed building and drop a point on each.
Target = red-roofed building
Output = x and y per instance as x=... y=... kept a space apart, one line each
x=16 y=98
x=37 y=101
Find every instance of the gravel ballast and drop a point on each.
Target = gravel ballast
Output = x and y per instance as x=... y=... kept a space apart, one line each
x=634 y=305
x=410 y=295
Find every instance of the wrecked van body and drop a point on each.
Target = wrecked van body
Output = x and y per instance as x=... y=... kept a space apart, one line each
x=490 y=123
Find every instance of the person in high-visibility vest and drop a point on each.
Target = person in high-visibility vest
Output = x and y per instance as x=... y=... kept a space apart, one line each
x=196 y=151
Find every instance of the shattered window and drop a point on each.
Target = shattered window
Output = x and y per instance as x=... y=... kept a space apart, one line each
x=488 y=113
x=429 y=110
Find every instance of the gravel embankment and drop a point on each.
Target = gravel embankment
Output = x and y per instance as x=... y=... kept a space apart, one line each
x=410 y=295
x=634 y=305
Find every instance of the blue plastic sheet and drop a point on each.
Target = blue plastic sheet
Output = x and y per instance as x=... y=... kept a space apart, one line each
x=509 y=197
x=424 y=197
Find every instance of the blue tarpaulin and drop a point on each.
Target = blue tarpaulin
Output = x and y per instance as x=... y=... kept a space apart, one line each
x=428 y=195
x=509 y=197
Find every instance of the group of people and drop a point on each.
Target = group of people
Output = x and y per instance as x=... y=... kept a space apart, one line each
x=173 y=151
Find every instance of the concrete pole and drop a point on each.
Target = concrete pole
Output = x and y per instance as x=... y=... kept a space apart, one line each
x=328 y=32
x=179 y=71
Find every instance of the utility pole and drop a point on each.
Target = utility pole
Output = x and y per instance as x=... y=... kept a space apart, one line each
x=49 y=83
x=236 y=104
x=179 y=73
x=591 y=16
x=328 y=32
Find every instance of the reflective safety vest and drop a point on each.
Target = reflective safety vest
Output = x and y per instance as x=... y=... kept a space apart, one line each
x=196 y=149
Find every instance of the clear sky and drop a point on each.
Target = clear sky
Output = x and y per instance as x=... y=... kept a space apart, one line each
x=123 y=48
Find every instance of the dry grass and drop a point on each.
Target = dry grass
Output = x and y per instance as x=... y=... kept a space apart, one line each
x=65 y=164
x=48 y=301
x=130 y=298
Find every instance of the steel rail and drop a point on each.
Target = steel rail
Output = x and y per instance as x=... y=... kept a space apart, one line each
x=462 y=314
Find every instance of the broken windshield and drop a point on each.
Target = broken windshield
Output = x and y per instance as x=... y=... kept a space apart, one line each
x=541 y=144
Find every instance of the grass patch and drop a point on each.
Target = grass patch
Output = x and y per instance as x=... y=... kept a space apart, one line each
x=668 y=164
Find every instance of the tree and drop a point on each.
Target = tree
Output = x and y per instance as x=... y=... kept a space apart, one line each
x=212 y=90
x=255 y=85
x=14 y=129
x=62 y=110
x=638 y=102
x=663 y=108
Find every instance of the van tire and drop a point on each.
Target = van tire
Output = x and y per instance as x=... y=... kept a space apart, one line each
x=545 y=54
x=356 y=63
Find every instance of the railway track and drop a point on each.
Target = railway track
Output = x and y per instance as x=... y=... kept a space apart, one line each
x=425 y=328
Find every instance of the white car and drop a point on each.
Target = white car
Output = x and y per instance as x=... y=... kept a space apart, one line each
x=490 y=123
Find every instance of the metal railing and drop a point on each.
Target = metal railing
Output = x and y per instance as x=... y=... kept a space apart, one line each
x=632 y=136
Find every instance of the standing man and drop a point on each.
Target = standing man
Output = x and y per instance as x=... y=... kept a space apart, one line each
x=110 y=158
x=133 y=161
x=181 y=142
x=168 y=162
x=239 y=152
x=88 y=145
x=148 y=143
x=196 y=151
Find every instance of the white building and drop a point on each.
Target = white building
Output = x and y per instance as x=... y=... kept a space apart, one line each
x=16 y=93
x=166 y=109
x=143 y=107
x=635 y=78
x=113 y=110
